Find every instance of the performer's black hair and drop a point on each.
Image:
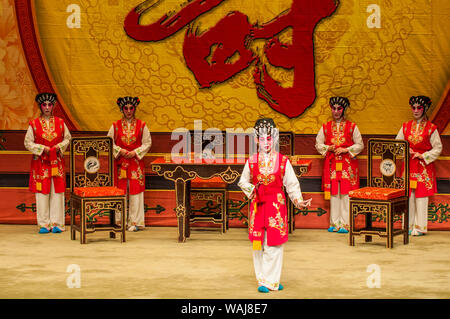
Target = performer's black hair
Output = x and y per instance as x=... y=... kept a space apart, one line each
x=423 y=100
x=44 y=96
x=265 y=126
x=122 y=101
x=340 y=100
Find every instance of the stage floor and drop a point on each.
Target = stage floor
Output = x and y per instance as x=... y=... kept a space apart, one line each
x=152 y=264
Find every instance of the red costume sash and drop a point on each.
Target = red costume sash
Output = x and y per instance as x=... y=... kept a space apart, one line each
x=129 y=169
x=422 y=176
x=268 y=210
x=339 y=169
x=48 y=167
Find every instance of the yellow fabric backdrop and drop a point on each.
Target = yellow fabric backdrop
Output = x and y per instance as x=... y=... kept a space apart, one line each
x=17 y=90
x=377 y=69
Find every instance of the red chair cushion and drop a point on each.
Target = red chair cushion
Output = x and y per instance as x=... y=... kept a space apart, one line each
x=98 y=191
x=376 y=193
x=214 y=182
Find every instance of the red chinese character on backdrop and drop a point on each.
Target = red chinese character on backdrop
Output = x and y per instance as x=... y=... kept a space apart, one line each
x=210 y=55
x=223 y=51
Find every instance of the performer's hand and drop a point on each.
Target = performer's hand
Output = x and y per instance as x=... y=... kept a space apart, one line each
x=130 y=154
x=46 y=149
x=341 y=150
x=331 y=148
x=417 y=155
x=302 y=204
x=123 y=152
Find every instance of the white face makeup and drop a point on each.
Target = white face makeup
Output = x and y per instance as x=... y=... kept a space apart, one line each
x=128 y=111
x=47 y=108
x=265 y=143
x=337 y=111
x=417 y=110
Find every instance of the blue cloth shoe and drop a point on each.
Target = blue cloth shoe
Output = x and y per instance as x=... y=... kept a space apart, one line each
x=420 y=233
x=332 y=229
x=43 y=230
x=56 y=230
x=342 y=231
x=409 y=232
x=263 y=289
x=280 y=287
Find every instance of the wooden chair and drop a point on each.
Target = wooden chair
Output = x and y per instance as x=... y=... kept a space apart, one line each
x=212 y=192
x=386 y=194
x=93 y=196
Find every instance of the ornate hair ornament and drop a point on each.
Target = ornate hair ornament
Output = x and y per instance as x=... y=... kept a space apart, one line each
x=43 y=97
x=122 y=101
x=265 y=126
x=339 y=100
x=422 y=100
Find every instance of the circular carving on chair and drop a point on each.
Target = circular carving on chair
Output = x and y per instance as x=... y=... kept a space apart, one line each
x=387 y=167
x=91 y=165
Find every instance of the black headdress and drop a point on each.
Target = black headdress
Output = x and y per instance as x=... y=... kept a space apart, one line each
x=42 y=97
x=265 y=126
x=425 y=101
x=122 y=101
x=339 y=100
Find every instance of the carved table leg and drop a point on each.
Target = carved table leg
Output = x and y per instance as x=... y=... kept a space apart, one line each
x=182 y=209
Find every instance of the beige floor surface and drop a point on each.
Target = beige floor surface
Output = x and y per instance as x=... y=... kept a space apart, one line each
x=152 y=264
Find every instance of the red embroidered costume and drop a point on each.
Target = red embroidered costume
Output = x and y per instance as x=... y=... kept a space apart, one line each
x=47 y=138
x=425 y=146
x=132 y=141
x=263 y=178
x=339 y=141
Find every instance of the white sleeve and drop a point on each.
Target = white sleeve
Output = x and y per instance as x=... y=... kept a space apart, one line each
x=400 y=135
x=65 y=142
x=291 y=183
x=320 y=142
x=146 y=143
x=358 y=145
x=30 y=145
x=244 y=181
x=431 y=155
x=116 y=149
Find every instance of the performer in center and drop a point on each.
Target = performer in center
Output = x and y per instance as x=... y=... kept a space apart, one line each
x=263 y=178
x=339 y=141
x=132 y=140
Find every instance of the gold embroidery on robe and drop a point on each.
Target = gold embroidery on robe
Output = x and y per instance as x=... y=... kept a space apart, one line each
x=416 y=132
x=338 y=134
x=48 y=129
x=128 y=136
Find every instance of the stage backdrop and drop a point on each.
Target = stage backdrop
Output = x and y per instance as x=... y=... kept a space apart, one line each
x=227 y=63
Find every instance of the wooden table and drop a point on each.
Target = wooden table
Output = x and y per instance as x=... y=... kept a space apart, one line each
x=183 y=172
